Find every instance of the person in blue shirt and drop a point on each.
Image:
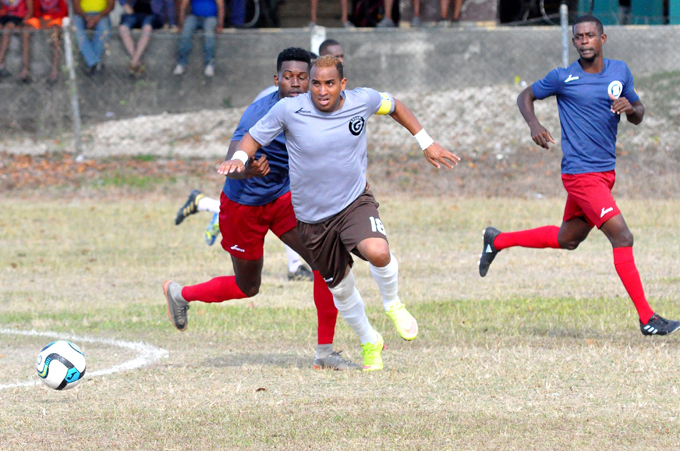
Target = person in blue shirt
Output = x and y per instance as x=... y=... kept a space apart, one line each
x=207 y=15
x=592 y=93
x=254 y=202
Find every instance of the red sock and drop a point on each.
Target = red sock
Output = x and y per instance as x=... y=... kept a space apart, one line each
x=627 y=271
x=326 y=312
x=219 y=289
x=540 y=238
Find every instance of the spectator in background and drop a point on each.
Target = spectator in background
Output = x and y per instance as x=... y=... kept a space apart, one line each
x=13 y=14
x=92 y=15
x=49 y=14
x=205 y=14
x=457 y=6
x=238 y=13
x=343 y=14
x=333 y=48
x=147 y=15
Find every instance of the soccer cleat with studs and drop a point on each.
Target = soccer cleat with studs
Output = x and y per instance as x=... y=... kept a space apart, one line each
x=372 y=353
x=489 y=251
x=213 y=230
x=659 y=326
x=177 y=306
x=301 y=274
x=406 y=324
x=190 y=207
x=334 y=361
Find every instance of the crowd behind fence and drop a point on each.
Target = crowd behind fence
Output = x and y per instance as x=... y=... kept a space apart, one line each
x=402 y=61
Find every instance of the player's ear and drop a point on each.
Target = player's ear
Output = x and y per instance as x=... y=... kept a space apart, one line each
x=276 y=81
x=603 y=38
x=343 y=83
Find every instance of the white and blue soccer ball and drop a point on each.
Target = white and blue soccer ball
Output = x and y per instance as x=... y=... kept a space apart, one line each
x=61 y=365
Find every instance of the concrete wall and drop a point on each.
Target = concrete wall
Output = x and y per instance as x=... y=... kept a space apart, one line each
x=425 y=60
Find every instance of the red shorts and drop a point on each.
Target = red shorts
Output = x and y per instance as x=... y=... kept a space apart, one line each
x=244 y=227
x=589 y=196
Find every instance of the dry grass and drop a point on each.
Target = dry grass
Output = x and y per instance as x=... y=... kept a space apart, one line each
x=544 y=353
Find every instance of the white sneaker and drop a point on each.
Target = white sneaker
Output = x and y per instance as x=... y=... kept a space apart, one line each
x=179 y=70
x=209 y=70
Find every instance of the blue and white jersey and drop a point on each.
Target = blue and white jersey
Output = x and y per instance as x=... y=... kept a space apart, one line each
x=588 y=125
x=258 y=191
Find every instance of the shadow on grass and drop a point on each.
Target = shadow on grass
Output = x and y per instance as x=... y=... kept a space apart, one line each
x=267 y=359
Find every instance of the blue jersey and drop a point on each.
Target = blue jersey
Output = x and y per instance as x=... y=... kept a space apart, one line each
x=258 y=191
x=588 y=125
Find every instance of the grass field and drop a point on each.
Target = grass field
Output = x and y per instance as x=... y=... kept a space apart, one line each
x=544 y=353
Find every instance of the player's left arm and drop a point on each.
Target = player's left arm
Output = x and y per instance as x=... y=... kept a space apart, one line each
x=434 y=153
x=635 y=111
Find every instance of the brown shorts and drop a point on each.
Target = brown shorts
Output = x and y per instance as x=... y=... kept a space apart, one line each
x=330 y=242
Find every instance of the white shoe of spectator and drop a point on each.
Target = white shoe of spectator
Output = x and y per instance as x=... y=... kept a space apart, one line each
x=209 y=70
x=385 y=23
x=179 y=70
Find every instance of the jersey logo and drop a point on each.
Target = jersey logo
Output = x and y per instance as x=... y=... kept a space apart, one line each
x=615 y=89
x=302 y=110
x=356 y=125
x=570 y=78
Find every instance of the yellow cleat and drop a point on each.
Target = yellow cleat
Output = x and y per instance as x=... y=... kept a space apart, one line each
x=372 y=353
x=406 y=324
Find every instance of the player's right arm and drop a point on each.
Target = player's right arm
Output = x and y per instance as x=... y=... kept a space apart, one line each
x=246 y=150
x=254 y=168
x=540 y=135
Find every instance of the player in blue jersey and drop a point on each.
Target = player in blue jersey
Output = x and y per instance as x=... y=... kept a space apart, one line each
x=250 y=207
x=591 y=94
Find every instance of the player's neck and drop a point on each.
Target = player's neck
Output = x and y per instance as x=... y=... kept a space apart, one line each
x=592 y=67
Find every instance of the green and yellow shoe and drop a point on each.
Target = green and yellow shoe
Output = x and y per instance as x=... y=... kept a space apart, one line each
x=372 y=353
x=406 y=324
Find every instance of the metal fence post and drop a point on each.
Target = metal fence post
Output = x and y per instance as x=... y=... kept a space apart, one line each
x=564 y=21
x=73 y=86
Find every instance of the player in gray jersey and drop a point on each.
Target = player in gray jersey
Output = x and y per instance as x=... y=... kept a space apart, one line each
x=337 y=215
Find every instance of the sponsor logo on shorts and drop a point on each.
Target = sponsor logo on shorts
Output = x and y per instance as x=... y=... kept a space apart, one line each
x=236 y=248
x=615 y=89
x=605 y=211
x=570 y=78
x=356 y=125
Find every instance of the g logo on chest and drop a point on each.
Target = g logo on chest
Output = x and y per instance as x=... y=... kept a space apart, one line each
x=615 y=89
x=356 y=125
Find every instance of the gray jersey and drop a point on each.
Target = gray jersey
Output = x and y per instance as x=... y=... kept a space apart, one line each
x=326 y=151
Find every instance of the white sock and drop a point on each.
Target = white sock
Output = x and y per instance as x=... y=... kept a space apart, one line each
x=208 y=204
x=387 y=279
x=294 y=260
x=349 y=303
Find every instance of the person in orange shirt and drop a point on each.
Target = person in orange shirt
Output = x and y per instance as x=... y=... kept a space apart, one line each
x=13 y=14
x=49 y=14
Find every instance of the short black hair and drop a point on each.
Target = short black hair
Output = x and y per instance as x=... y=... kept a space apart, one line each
x=325 y=44
x=588 y=18
x=292 y=54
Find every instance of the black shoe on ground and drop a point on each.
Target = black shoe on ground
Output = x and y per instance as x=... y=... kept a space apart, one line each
x=190 y=207
x=489 y=251
x=302 y=274
x=659 y=326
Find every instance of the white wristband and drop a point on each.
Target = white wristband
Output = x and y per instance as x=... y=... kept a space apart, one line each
x=424 y=140
x=241 y=156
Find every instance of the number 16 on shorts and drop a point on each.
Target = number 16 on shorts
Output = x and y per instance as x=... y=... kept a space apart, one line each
x=377 y=225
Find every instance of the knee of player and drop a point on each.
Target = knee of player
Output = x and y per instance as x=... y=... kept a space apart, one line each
x=625 y=239
x=379 y=255
x=569 y=245
x=250 y=289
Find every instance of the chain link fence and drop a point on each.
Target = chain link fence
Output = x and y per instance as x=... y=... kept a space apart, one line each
x=462 y=82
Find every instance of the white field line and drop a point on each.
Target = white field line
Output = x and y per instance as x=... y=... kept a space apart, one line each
x=146 y=353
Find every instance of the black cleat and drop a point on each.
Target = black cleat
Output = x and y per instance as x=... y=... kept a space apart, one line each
x=489 y=251
x=190 y=207
x=659 y=326
x=303 y=274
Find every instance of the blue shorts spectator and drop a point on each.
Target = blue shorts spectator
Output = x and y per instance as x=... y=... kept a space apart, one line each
x=139 y=20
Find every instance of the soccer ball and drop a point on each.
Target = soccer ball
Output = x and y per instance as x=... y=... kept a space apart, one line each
x=61 y=365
